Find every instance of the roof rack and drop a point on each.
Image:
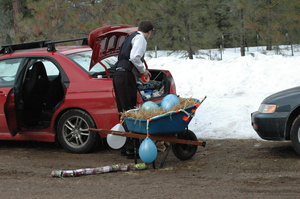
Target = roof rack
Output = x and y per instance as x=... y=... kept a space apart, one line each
x=7 y=49
x=51 y=44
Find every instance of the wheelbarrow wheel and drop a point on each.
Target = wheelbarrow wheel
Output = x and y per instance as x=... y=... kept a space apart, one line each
x=185 y=151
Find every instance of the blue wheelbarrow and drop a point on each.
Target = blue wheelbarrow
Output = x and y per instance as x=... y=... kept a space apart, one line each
x=170 y=127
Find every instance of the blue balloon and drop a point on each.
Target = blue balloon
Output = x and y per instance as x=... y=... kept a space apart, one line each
x=148 y=150
x=150 y=106
x=169 y=101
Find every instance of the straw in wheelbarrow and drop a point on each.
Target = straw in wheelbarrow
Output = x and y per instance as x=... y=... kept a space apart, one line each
x=142 y=114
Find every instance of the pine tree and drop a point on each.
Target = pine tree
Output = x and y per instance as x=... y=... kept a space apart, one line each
x=187 y=25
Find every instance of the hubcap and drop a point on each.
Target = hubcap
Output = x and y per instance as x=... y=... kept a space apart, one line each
x=75 y=131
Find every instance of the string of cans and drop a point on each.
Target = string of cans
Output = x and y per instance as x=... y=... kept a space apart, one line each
x=98 y=170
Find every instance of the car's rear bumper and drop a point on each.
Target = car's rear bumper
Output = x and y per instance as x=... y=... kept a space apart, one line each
x=269 y=126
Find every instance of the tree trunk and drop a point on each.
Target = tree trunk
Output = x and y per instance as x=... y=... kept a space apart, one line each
x=191 y=53
x=242 y=35
x=16 y=4
x=190 y=43
x=269 y=39
x=190 y=36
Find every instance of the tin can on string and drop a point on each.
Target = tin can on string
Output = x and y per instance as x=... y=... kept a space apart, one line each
x=97 y=170
x=68 y=173
x=88 y=171
x=78 y=172
x=124 y=167
x=57 y=173
x=106 y=169
x=140 y=166
x=115 y=167
x=131 y=166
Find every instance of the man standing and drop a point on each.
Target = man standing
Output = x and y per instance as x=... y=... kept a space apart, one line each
x=129 y=68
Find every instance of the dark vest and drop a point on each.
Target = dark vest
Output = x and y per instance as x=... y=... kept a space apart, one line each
x=124 y=54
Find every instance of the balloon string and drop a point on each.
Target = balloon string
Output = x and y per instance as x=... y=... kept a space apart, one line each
x=147 y=128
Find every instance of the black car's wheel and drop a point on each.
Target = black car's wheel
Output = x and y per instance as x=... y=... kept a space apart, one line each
x=73 y=134
x=295 y=134
x=185 y=151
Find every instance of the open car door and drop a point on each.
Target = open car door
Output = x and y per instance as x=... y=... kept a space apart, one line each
x=11 y=113
x=13 y=105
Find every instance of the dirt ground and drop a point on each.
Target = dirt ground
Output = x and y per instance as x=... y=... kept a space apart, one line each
x=224 y=168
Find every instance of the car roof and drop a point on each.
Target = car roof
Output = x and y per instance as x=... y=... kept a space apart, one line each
x=105 y=42
x=42 y=46
x=65 y=50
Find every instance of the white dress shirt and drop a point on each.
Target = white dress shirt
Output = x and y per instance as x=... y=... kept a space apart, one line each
x=139 y=45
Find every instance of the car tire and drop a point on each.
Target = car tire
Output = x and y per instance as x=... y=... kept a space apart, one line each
x=185 y=151
x=295 y=134
x=73 y=134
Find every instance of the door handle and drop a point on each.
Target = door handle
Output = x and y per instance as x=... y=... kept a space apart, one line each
x=2 y=94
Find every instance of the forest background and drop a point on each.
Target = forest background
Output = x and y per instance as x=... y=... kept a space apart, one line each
x=186 y=25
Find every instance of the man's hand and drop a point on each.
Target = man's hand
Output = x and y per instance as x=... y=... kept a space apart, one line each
x=147 y=74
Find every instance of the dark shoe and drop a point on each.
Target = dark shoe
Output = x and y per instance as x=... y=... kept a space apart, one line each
x=130 y=155
x=123 y=152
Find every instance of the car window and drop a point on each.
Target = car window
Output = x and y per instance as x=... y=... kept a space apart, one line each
x=50 y=68
x=8 y=71
x=84 y=58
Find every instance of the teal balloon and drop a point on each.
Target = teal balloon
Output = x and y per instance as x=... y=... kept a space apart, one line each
x=148 y=150
x=150 y=106
x=169 y=101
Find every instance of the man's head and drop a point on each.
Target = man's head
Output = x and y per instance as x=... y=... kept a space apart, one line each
x=146 y=27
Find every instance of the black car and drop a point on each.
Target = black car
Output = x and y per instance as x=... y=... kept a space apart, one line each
x=278 y=117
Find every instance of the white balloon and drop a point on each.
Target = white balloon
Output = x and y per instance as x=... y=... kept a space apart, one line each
x=118 y=127
x=116 y=141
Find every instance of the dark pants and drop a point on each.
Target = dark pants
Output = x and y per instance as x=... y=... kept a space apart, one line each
x=126 y=90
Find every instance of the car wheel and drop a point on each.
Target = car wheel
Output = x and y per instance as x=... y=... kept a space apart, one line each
x=295 y=134
x=73 y=134
x=185 y=151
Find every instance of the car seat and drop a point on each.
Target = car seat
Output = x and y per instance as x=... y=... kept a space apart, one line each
x=34 y=94
x=55 y=94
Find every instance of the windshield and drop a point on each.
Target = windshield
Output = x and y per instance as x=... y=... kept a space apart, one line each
x=83 y=59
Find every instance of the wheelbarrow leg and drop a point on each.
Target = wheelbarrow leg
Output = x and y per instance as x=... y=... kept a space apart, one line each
x=164 y=158
x=135 y=150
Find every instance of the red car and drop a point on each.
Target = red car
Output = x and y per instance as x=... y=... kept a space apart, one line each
x=55 y=93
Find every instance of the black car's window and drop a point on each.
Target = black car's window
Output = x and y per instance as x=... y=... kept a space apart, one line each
x=84 y=58
x=8 y=71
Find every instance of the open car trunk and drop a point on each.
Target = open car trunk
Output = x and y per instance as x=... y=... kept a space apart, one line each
x=157 y=87
x=106 y=42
